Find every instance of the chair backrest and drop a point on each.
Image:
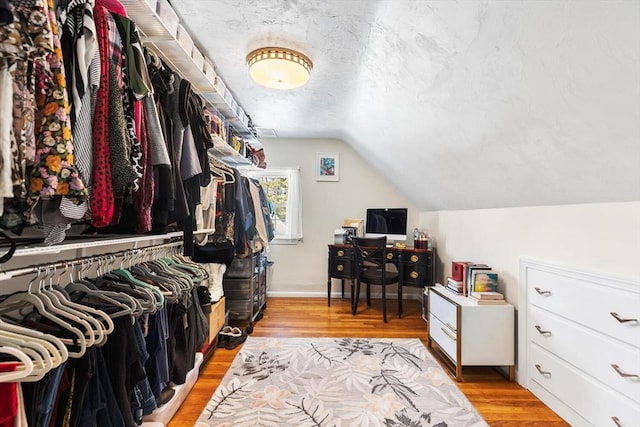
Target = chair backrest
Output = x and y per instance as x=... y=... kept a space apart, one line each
x=369 y=252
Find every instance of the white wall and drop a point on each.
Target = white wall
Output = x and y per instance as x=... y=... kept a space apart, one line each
x=601 y=238
x=302 y=269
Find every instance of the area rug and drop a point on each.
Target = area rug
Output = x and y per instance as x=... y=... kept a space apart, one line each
x=337 y=382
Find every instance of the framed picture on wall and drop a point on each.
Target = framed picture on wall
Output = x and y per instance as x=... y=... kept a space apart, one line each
x=327 y=167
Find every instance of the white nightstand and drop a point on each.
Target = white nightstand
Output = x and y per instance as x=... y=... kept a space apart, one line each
x=468 y=334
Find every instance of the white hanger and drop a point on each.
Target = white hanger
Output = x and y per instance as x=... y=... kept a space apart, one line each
x=21 y=300
x=64 y=311
x=21 y=371
x=39 y=355
x=128 y=305
x=100 y=330
x=56 y=347
x=55 y=307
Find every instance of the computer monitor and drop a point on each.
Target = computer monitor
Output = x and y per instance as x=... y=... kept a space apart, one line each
x=389 y=222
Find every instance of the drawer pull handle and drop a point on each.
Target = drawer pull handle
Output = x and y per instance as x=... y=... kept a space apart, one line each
x=543 y=373
x=541 y=331
x=340 y=253
x=414 y=258
x=616 y=420
x=453 y=328
x=414 y=274
x=340 y=267
x=449 y=334
x=389 y=256
x=622 y=319
x=541 y=292
x=622 y=373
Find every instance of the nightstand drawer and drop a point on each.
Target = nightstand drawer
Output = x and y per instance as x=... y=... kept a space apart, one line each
x=444 y=310
x=444 y=336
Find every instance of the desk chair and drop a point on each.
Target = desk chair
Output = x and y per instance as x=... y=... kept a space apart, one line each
x=372 y=268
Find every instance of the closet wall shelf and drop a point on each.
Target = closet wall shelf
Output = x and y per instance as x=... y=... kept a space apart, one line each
x=227 y=154
x=98 y=241
x=71 y=246
x=158 y=25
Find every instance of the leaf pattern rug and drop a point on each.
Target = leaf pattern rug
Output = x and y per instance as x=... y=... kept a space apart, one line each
x=337 y=382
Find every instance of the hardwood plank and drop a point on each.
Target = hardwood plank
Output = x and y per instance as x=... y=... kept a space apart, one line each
x=500 y=402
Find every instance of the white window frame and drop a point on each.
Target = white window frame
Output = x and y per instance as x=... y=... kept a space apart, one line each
x=293 y=230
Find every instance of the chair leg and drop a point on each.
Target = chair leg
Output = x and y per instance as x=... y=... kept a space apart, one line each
x=368 y=295
x=342 y=283
x=399 y=300
x=384 y=303
x=329 y=291
x=355 y=297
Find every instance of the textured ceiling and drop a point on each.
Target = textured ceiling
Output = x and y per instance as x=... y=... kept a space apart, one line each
x=460 y=104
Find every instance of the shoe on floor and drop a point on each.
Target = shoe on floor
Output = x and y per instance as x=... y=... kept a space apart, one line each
x=233 y=342
x=166 y=395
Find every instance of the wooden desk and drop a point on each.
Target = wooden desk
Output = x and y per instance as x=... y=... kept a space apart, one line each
x=416 y=266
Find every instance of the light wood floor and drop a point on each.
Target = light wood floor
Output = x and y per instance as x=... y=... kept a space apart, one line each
x=500 y=402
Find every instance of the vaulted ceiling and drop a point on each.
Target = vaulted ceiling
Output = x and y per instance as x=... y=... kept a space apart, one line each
x=460 y=104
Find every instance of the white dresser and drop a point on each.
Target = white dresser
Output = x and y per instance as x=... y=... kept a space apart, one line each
x=470 y=334
x=579 y=344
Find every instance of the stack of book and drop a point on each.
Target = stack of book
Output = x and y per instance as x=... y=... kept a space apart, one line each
x=455 y=286
x=488 y=297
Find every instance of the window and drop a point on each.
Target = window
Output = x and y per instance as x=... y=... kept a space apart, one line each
x=282 y=187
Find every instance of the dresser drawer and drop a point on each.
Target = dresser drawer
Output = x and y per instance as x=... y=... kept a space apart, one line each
x=444 y=336
x=590 y=304
x=589 y=351
x=595 y=403
x=444 y=310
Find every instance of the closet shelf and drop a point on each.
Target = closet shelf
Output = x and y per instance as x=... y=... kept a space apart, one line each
x=158 y=25
x=92 y=242
x=227 y=154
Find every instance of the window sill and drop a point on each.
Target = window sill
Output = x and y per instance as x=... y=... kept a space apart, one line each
x=283 y=241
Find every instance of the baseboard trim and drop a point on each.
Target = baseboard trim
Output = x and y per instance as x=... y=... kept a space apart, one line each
x=338 y=295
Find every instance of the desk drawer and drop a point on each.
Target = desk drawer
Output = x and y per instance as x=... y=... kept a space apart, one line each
x=341 y=263
x=414 y=275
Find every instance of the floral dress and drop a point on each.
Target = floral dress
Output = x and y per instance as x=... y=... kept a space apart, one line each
x=43 y=163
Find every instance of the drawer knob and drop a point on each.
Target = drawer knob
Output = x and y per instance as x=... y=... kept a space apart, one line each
x=542 y=331
x=541 y=292
x=449 y=334
x=414 y=258
x=389 y=256
x=414 y=274
x=616 y=420
x=543 y=373
x=622 y=319
x=340 y=267
x=622 y=373
x=340 y=253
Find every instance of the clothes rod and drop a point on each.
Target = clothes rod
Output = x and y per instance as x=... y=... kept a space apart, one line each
x=9 y=274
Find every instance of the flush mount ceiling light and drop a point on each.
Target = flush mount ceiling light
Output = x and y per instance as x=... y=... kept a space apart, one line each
x=279 y=68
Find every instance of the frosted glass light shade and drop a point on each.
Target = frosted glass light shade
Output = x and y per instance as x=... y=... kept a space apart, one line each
x=279 y=68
